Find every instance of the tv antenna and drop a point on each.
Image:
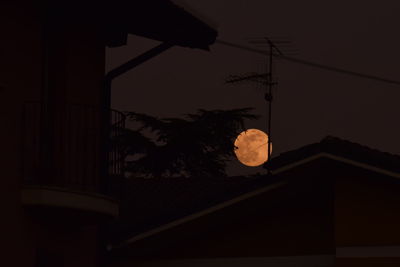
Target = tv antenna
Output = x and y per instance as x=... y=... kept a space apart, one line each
x=265 y=79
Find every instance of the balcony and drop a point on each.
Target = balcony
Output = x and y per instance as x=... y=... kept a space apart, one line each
x=69 y=165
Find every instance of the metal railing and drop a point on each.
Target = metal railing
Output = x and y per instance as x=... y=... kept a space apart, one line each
x=66 y=148
x=116 y=159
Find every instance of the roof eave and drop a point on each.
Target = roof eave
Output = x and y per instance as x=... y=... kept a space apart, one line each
x=166 y=23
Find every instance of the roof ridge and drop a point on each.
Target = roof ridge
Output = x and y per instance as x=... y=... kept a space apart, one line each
x=340 y=147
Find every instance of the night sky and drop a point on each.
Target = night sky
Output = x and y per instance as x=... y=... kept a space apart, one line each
x=309 y=103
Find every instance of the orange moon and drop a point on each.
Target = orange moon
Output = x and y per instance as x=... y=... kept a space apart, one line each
x=251 y=147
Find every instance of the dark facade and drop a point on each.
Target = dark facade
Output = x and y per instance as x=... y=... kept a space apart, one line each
x=315 y=209
x=59 y=163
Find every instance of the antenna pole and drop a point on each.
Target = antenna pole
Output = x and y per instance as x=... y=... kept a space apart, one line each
x=268 y=94
x=274 y=51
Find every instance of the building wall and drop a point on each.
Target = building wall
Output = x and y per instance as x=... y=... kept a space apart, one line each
x=76 y=58
x=367 y=262
x=285 y=222
x=21 y=80
x=367 y=218
x=298 y=261
x=328 y=207
x=66 y=246
x=75 y=72
x=366 y=208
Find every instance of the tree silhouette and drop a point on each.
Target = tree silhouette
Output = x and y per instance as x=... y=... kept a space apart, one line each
x=197 y=145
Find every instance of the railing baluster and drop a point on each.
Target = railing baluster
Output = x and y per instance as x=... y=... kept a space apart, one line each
x=76 y=147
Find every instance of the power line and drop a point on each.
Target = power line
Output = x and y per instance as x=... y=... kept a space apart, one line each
x=310 y=63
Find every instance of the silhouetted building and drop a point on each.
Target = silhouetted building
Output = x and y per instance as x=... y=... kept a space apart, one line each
x=56 y=119
x=333 y=203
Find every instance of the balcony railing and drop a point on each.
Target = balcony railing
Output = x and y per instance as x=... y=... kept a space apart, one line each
x=70 y=147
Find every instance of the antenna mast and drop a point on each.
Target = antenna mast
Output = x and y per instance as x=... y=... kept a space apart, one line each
x=270 y=83
x=266 y=79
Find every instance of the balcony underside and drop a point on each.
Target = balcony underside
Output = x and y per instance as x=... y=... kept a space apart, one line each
x=71 y=163
x=67 y=205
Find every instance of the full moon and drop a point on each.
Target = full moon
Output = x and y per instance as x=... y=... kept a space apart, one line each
x=251 y=147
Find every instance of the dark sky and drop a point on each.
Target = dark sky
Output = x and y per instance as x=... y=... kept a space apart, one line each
x=310 y=103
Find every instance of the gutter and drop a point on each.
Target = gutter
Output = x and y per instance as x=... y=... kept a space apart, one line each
x=108 y=79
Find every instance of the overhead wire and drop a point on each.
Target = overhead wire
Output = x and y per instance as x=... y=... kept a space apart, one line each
x=310 y=63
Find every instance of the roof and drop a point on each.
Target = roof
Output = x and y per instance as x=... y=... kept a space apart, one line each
x=160 y=20
x=341 y=148
x=150 y=203
x=154 y=203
